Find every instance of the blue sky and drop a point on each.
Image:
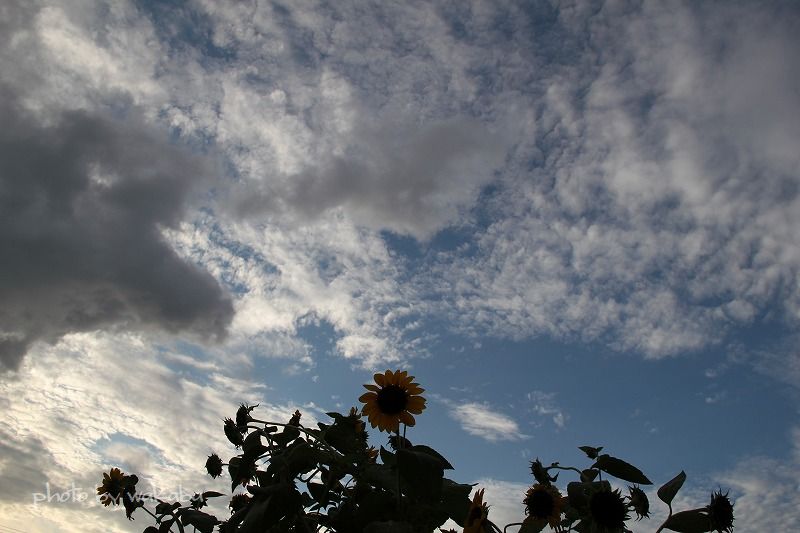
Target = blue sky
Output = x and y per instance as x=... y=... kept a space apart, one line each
x=574 y=222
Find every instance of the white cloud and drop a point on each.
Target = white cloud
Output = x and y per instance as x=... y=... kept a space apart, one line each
x=484 y=421
x=544 y=404
x=94 y=401
x=655 y=216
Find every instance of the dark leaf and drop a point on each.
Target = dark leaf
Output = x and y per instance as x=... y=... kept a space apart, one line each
x=165 y=526
x=319 y=492
x=164 y=507
x=433 y=453
x=421 y=472
x=620 y=469
x=589 y=474
x=380 y=476
x=669 y=489
x=203 y=522
x=212 y=494
x=252 y=446
x=388 y=527
x=387 y=457
x=455 y=500
x=590 y=451
x=693 y=521
x=150 y=529
x=532 y=525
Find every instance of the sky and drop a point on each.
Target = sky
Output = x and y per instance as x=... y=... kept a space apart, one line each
x=576 y=223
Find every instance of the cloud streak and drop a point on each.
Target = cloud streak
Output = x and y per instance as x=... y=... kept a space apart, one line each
x=485 y=422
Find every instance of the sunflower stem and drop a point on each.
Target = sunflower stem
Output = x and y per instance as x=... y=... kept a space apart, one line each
x=397 y=471
x=512 y=524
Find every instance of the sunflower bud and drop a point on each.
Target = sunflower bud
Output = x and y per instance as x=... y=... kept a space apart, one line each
x=232 y=432
x=295 y=420
x=243 y=416
x=214 y=465
x=197 y=501
x=540 y=473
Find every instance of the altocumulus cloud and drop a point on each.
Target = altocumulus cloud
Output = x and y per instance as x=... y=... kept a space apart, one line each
x=83 y=203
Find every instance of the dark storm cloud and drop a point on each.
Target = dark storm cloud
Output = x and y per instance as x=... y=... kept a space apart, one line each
x=83 y=201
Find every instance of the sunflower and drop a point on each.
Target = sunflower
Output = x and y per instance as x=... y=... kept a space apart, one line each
x=544 y=502
x=214 y=465
x=608 y=511
x=476 y=516
x=392 y=400
x=720 y=512
x=639 y=503
x=111 y=489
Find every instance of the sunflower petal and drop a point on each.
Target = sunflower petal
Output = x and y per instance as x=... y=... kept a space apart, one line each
x=380 y=379
x=368 y=397
x=373 y=388
x=407 y=419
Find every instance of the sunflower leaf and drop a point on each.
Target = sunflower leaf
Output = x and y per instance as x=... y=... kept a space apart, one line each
x=590 y=451
x=668 y=490
x=532 y=525
x=692 y=521
x=422 y=473
x=203 y=522
x=455 y=500
x=387 y=457
x=620 y=469
x=433 y=453
x=388 y=527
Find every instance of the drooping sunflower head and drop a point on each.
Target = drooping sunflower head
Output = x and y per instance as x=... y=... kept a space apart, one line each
x=214 y=465
x=544 y=502
x=238 y=501
x=477 y=514
x=720 y=512
x=394 y=398
x=608 y=510
x=639 y=503
x=112 y=487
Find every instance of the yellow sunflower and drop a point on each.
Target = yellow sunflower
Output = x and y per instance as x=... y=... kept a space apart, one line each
x=392 y=400
x=112 y=487
x=476 y=517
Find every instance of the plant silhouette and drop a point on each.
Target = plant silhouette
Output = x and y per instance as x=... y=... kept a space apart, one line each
x=292 y=478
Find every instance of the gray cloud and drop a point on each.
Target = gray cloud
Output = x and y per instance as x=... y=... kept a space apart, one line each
x=83 y=201
x=394 y=175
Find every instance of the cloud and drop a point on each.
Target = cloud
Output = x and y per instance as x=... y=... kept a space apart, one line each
x=136 y=412
x=483 y=421
x=544 y=404
x=84 y=200
x=392 y=175
x=648 y=202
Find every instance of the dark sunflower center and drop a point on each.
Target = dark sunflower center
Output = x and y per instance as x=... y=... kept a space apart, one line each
x=392 y=400
x=608 y=510
x=540 y=504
